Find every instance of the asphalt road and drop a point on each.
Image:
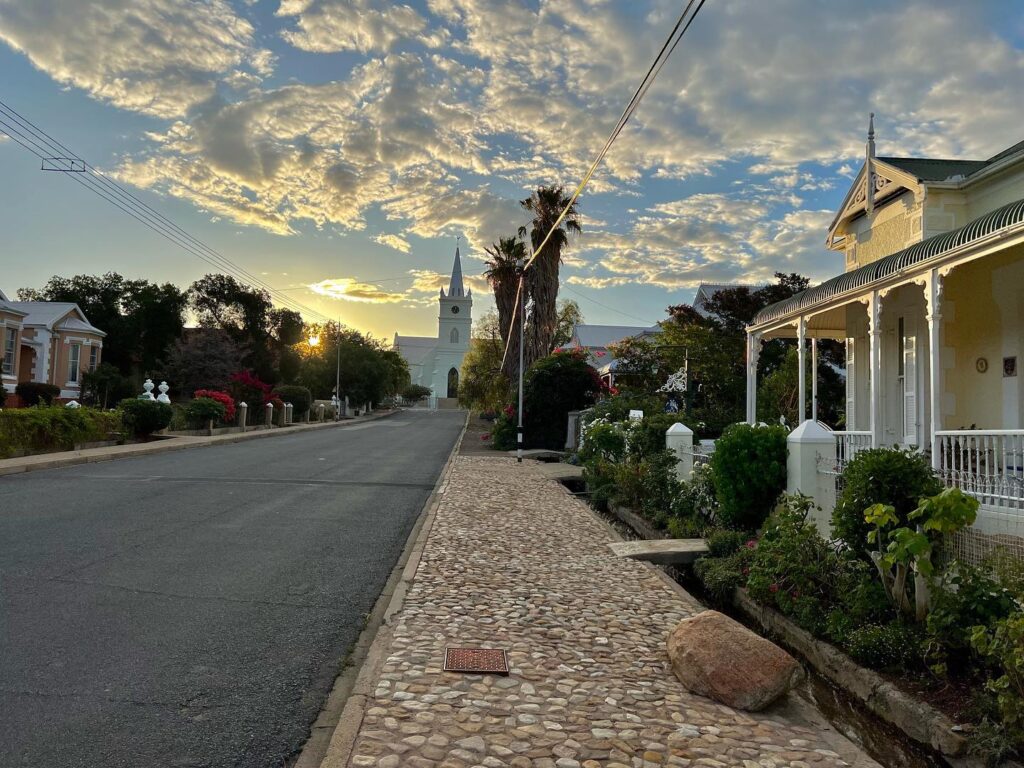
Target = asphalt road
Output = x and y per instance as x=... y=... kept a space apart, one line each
x=193 y=608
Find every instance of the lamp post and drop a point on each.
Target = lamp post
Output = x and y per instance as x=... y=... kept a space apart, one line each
x=337 y=377
x=520 y=267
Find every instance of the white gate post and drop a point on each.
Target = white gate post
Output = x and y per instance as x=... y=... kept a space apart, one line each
x=288 y=415
x=679 y=440
x=270 y=415
x=810 y=445
x=242 y=412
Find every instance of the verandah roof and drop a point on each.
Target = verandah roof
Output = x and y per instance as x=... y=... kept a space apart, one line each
x=992 y=222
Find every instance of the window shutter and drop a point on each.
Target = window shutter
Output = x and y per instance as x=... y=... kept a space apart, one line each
x=910 y=391
x=851 y=386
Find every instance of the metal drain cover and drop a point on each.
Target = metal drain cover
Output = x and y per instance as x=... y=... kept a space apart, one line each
x=487 y=661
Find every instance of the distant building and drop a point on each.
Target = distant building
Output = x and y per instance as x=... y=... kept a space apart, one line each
x=49 y=342
x=435 y=362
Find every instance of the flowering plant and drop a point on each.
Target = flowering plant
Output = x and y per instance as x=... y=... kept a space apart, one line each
x=221 y=397
x=247 y=386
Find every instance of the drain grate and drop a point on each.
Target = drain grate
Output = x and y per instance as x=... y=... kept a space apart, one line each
x=488 y=661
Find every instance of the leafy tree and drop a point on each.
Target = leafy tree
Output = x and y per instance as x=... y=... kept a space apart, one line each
x=369 y=371
x=105 y=386
x=415 y=392
x=546 y=204
x=481 y=385
x=141 y=319
x=569 y=316
x=204 y=358
x=553 y=386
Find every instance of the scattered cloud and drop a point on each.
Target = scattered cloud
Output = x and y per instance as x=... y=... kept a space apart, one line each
x=348 y=289
x=329 y=26
x=393 y=241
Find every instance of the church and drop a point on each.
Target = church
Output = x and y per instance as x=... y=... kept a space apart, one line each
x=435 y=362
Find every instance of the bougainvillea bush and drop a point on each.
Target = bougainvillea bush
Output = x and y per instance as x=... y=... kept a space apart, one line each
x=221 y=397
x=554 y=385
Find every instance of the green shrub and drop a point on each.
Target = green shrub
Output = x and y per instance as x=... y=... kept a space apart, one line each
x=749 y=472
x=1009 y=571
x=722 y=575
x=415 y=392
x=105 y=386
x=659 y=486
x=300 y=398
x=53 y=428
x=203 y=410
x=723 y=542
x=144 y=417
x=886 y=645
x=1002 y=646
x=685 y=527
x=599 y=475
x=503 y=433
x=880 y=476
x=604 y=440
x=647 y=435
x=617 y=407
x=555 y=385
x=696 y=498
x=964 y=598
x=37 y=393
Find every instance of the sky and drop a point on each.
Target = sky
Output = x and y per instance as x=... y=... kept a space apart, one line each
x=337 y=148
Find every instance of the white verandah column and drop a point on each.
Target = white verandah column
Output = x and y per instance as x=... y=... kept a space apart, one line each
x=801 y=340
x=875 y=359
x=753 y=353
x=933 y=314
x=814 y=378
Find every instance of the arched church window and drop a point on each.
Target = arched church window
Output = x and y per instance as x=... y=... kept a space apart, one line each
x=454 y=336
x=453 y=382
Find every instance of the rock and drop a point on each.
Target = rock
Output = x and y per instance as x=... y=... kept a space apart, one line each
x=714 y=656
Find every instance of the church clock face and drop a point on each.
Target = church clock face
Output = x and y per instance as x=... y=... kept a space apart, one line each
x=455 y=310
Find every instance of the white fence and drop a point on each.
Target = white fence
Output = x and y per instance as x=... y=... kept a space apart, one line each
x=848 y=444
x=988 y=464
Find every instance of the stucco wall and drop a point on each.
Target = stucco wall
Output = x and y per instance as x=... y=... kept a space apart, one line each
x=890 y=228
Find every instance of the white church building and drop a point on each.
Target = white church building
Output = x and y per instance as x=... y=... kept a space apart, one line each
x=436 y=362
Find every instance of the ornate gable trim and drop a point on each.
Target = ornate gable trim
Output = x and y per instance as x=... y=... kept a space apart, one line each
x=886 y=181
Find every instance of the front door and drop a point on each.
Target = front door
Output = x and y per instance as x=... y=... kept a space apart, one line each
x=453 y=382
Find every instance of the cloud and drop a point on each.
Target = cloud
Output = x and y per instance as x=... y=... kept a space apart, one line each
x=159 y=57
x=393 y=241
x=348 y=289
x=329 y=26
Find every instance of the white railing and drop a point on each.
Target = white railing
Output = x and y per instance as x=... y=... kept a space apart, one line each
x=848 y=444
x=986 y=463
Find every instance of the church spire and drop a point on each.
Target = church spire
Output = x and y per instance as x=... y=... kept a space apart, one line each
x=455 y=288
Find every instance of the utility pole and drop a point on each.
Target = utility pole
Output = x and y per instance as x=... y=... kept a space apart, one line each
x=337 y=377
x=520 y=266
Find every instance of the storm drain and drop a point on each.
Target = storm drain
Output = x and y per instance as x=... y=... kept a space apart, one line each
x=484 y=661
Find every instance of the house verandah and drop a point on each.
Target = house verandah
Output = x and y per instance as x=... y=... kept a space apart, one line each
x=934 y=337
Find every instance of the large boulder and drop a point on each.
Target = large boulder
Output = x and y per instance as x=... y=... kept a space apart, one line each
x=714 y=656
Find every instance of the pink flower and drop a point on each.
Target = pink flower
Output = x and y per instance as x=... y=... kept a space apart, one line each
x=752 y=544
x=773 y=588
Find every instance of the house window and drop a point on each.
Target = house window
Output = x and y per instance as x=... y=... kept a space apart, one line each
x=74 y=361
x=10 y=343
x=93 y=354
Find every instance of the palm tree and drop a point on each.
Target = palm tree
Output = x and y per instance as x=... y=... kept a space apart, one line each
x=501 y=274
x=546 y=204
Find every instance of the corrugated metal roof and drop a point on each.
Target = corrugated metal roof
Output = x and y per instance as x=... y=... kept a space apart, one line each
x=1007 y=216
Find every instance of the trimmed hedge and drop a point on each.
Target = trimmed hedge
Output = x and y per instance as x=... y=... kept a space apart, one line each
x=144 y=417
x=203 y=410
x=35 y=393
x=300 y=398
x=45 y=429
x=749 y=472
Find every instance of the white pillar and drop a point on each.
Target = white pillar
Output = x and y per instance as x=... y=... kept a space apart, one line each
x=753 y=353
x=875 y=355
x=801 y=340
x=933 y=299
x=270 y=415
x=679 y=440
x=243 y=411
x=811 y=445
x=814 y=379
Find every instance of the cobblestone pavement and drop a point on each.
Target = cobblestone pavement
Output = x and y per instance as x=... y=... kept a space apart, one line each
x=513 y=561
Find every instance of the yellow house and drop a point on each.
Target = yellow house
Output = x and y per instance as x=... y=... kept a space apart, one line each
x=49 y=342
x=931 y=309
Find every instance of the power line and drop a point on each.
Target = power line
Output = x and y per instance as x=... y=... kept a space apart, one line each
x=681 y=26
x=606 y=306
x=41 y=144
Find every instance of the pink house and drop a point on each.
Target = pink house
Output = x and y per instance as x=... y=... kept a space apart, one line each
x=49 y=342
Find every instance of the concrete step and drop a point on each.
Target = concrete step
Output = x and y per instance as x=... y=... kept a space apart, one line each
x=561 y=471
x=661 y=551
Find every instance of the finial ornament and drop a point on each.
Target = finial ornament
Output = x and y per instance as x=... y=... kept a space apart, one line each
x=871 y=127
x=869 y=169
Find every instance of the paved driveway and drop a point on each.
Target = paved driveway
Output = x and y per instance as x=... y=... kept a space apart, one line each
x=193 y=608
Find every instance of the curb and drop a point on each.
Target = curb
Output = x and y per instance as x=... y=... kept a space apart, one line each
x=335 y=730
x=172 y=444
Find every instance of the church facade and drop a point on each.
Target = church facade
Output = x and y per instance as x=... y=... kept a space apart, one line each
x=436 y=362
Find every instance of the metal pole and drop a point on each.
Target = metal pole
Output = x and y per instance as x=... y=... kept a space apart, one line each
x=814 y=378
x=522 y=323
x=337 y=377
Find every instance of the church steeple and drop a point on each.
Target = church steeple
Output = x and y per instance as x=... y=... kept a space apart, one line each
x=455 y=287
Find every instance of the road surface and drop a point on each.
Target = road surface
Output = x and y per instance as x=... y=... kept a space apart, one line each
x=193 y=608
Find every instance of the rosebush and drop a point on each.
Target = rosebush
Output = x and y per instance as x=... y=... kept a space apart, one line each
x=144 y=417
x=748 y=468
x=889 y=476
x=224 y=399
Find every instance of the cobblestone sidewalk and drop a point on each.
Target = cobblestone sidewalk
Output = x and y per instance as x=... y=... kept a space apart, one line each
x=514 y=561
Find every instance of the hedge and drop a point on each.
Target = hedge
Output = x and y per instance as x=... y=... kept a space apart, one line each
x=45 y=429
x=144 y=417
x=299 y=397
x=35 y=392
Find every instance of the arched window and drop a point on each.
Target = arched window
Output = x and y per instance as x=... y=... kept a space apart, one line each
x=454 y=336
x=453 y=382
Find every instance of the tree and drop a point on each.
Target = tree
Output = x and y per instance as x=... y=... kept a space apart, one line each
x=546 y=205
x=569 y=316
x=204 y=358
x=141 y=319
x=503 y=276
x=369 y=371
x=481 y=385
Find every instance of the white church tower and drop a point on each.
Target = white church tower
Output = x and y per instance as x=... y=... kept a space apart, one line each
x=436 y=363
